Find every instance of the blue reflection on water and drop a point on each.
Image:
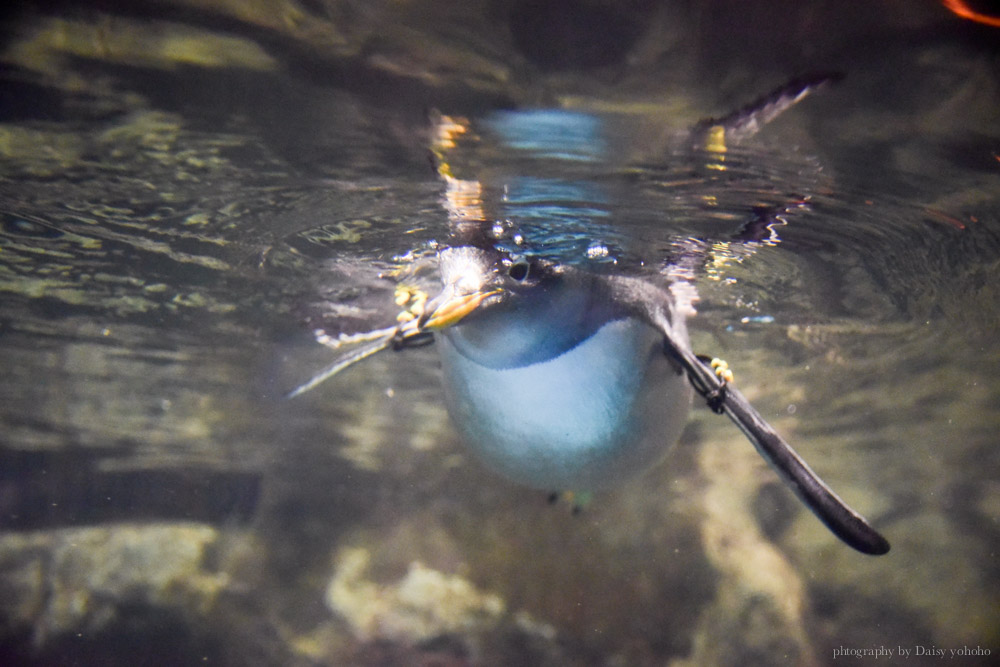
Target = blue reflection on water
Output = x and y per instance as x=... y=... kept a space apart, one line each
x=558 y=218
x=551 y=133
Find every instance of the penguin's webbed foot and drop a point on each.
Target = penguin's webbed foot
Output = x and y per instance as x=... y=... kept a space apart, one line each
x=576 y=501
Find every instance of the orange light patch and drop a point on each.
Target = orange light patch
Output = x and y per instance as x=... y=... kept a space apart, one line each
x=960 y=8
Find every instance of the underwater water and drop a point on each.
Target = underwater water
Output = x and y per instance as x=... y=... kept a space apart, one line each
x=188 y=189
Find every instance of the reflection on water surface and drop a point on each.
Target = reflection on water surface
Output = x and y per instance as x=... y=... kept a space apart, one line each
x=187 y=188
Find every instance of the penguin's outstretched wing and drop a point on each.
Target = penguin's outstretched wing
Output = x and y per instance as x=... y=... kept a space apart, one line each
x=655 y=306
x=748 y=120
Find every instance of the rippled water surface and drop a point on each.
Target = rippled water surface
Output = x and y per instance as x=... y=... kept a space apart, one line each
x=188 y=190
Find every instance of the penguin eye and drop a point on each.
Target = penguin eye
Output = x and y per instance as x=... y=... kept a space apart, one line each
x=519 y=271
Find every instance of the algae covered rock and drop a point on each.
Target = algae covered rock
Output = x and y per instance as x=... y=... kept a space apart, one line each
x=85 y=581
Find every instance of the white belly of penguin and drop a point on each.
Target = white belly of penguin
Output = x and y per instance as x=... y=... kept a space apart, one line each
x=591 y=417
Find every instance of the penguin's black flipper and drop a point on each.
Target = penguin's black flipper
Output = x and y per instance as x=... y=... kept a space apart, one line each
x=400 y=337
x=342 y=362
x=842 y=521
x=655 y=306
x=748 y=120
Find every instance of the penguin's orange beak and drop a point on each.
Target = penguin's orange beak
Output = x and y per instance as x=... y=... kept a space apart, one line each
x=448 y=308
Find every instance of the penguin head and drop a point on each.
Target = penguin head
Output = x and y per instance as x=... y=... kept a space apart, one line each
x=528 y=310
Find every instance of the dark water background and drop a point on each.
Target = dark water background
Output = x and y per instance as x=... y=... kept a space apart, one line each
x=185 y=187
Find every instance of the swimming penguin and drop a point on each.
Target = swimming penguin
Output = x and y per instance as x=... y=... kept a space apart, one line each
x=563 y=378
x=558 y=382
